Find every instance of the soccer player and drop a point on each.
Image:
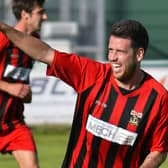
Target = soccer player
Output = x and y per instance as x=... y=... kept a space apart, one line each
x=121 y=115
x=15 y=66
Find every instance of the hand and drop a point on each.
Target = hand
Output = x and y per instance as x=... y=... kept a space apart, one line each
x=28 y=97
x=20 y=90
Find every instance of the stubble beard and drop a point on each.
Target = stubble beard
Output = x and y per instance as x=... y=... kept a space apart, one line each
x=128 y=73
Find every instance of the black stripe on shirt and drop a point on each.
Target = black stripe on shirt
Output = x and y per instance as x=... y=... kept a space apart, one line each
x=19 y=108
x=3 y=107
x=21 y=58
x=8 y=58
x=8 y=119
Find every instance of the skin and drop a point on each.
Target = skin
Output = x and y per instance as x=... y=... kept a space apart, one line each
x=28 y=24
x=154 y=159
x=18 y=90
x=125 y=64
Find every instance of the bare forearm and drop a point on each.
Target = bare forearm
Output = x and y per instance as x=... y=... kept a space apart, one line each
x=154 y=160
x=19 y=90
x=3 y=86
x=35 y=48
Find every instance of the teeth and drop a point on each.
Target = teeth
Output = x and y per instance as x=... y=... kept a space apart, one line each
x=116 y=65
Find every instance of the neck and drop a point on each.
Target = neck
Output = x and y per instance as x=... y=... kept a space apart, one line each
x=20 y=26
x=133 y=82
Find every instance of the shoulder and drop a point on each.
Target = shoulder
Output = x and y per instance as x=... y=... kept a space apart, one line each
x=155 y=84
x=3 y=38
x=4 y=41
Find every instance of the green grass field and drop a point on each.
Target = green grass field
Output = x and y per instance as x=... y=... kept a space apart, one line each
x=51 y=144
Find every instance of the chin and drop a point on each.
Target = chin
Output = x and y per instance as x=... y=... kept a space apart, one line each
x=118 y=77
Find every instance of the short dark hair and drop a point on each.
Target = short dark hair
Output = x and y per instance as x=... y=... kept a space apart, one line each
x=134 y=30
x=27 y=5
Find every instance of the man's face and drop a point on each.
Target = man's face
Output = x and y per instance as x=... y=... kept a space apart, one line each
x=123 y=60
x=36 y=18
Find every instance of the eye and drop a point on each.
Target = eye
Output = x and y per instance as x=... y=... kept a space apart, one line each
x=40 y=12
x=121 y=51
x=110 y=50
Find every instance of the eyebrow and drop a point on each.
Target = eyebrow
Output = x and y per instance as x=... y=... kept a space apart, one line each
x=40 y=11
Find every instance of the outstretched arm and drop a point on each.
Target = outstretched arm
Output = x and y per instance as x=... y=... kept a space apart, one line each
x=32 y=46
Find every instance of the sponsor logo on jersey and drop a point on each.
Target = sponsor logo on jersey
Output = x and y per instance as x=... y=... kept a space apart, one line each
x=99 y=103
x=17 y=73
x=110 y=132
x=135 y=117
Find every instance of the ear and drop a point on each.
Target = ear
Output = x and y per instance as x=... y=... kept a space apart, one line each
x=140 y=54
x=24 y=15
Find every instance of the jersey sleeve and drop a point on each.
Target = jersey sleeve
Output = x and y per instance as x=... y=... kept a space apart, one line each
x=4 y=42
x=160 y=135
x=37 y=35
x=78 y=72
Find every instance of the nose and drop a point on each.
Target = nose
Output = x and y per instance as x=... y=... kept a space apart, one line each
x=45 y=16
x=112 y=55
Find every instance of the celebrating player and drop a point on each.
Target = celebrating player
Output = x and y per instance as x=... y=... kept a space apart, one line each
x=121 y=115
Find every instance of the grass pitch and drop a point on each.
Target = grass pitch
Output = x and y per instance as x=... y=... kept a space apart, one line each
x=51 y=144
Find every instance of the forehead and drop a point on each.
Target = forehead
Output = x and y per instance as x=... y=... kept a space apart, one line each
x=37 y=7
x=115 y=41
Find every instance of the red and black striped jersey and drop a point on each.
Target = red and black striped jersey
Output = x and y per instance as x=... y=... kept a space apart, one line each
x=15 y=66
x=111 y=128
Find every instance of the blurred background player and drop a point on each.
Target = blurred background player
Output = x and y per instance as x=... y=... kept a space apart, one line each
x=121 y=112
x=15 y=66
